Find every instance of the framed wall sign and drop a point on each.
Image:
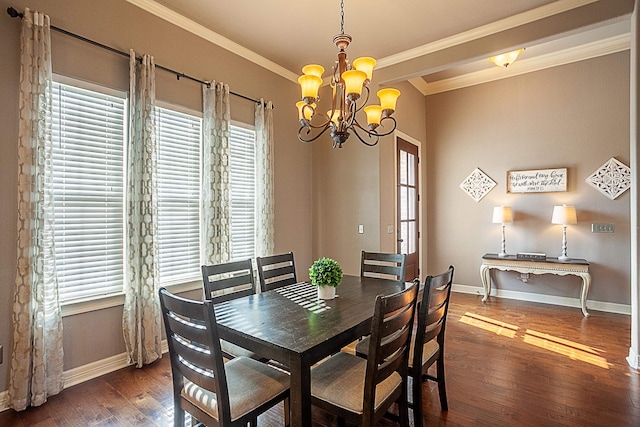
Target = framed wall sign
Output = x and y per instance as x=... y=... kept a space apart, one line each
x=537 y=181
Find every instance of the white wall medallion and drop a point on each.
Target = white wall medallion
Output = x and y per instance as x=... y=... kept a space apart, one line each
x=611 y=179
x=477 y=185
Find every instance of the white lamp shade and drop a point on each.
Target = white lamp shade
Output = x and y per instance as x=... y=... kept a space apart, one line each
x=565 y=215
x=502 y=214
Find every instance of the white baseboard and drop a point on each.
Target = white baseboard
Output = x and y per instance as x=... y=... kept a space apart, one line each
x=609 y=307
x=86 y=372
x=633 y=359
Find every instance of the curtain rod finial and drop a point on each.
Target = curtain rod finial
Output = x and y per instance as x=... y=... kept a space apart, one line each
x=14 y=13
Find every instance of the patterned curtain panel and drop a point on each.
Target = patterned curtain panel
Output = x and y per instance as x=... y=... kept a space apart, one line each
x=215 y=193
x=36 y=360
x=265 y=234
x=141 y=321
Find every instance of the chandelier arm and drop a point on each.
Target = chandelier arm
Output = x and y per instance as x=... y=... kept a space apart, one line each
x=311 y=139
x=375 y=131
x=390 y=130
x=326 y=123
x=363 y=103
x=373 y=135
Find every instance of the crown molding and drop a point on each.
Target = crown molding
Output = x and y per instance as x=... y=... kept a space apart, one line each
x=579 y=53
x=496 y=27
x=193 y=27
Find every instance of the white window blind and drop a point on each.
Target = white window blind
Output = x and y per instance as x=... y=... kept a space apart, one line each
x=179 y=138
x=88 y=133
x=243 y=191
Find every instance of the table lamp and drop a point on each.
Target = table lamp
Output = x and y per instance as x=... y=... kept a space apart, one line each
x=502 y=215
x=564 y=215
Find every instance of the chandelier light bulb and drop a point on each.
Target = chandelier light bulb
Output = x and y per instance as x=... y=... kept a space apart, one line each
x=388 y=98
x=309 y=85
x=366 y=65
x=313 y=70
x=374 y=113
x=353 y=81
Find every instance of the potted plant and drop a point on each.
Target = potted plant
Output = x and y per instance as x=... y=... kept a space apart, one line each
x=326 y=274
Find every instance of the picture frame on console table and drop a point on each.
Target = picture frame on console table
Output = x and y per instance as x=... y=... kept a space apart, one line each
x=537 y=181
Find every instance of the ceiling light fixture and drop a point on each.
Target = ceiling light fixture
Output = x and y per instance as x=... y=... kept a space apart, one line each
x=347 y=83
x=506 y=59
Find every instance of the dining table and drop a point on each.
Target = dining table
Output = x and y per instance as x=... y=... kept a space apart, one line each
x=292 y=326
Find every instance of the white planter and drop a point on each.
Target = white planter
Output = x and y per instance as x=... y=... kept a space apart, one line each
x=326 y=292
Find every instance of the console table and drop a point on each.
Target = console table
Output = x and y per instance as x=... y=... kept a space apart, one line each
x=576 y=267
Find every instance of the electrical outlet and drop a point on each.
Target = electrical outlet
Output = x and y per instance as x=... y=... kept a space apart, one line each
x=603 y=228
x=389 y=229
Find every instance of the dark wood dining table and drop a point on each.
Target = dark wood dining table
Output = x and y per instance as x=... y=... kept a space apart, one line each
x=292 y=326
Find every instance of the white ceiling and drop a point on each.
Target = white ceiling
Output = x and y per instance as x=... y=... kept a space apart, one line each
x=436 y=44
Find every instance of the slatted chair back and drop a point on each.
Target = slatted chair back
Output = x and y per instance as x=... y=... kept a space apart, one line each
x=226 y=281
x=383 y=265
x=428 y=345
x=276 y=271
x=194 y=349
x=389 y=349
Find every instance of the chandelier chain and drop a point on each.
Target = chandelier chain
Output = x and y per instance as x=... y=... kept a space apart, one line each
x=341 y=16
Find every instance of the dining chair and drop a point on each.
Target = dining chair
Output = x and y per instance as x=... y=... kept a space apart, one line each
x=362 y=390
x=427 y=345
x=384 y=265
x=276 y=271
x=213 y=392
x=226 y=281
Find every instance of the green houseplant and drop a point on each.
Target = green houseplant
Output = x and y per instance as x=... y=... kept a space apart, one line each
x=326 y=274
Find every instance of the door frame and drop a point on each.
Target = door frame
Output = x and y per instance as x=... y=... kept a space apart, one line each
x=421 y=191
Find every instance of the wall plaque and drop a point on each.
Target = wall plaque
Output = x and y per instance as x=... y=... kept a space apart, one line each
x=537 y=181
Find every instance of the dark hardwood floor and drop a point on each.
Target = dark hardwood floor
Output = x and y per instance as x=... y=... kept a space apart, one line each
x=509 y=363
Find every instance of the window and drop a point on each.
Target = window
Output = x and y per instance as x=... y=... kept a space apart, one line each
x=89 y=169
x=242 y=148
x=178 y=136
x=88 y=133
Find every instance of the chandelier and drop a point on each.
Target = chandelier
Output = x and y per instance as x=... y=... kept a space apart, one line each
x=348 y=83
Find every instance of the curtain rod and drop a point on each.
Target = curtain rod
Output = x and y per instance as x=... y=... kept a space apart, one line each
x=15 y=14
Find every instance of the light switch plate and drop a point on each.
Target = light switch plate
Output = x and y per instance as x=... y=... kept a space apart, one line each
x=360 y=229
x=389 y=229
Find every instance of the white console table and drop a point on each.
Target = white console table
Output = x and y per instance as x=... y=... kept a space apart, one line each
x=576 y=267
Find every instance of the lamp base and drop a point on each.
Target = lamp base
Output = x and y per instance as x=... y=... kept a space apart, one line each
x=563 y=258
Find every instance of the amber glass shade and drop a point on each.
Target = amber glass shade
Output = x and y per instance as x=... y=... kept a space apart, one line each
x=309 y=85
x=353 y=80
x=365 y=64
x=313 y=70
x=334 y=115
x=373 y=112
x=308 y=112
x=388 y=98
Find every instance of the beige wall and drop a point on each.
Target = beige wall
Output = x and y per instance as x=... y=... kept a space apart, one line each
x=118 y=24
x=355 y=185
x=575 y=117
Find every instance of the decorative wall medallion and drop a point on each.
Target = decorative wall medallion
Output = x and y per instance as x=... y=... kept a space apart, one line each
x=477 y=185
x=611 y=179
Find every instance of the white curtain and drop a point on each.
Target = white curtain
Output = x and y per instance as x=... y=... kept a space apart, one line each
x=141 y=320
x=265 y=240
x=215 y=193
x=36 y=360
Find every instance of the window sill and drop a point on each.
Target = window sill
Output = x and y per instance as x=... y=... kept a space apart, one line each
x=73 y=308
